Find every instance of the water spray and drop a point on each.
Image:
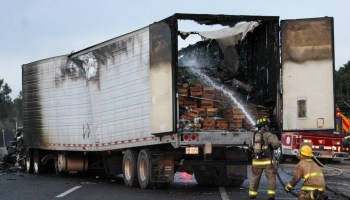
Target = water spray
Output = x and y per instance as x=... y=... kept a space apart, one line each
x=222 y=89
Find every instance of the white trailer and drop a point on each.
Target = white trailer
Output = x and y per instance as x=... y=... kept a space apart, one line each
x=117 y=105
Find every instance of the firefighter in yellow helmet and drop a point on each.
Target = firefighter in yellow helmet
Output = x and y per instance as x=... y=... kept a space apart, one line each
x=263 y=142
x=314 y=183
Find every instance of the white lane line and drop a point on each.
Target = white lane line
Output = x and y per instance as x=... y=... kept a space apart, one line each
x=223 y=194
x=68 y=191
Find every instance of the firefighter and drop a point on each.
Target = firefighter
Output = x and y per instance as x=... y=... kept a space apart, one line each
x=263 y=143
x=314 y=183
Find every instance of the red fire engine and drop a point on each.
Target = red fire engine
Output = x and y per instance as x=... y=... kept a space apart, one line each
x=325 y=144
x=343 y=124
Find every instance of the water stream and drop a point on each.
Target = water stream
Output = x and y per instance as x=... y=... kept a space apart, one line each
x=220 y=87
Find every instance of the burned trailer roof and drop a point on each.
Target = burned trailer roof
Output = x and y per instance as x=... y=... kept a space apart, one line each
x=107 y=44
x=211 y=19
x=44 y=60
x=203 y=19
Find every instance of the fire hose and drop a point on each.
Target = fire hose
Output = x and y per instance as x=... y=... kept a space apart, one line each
x=274 y=164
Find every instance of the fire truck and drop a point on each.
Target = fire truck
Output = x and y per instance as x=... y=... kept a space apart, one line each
x=329 y=145
x=343 y=124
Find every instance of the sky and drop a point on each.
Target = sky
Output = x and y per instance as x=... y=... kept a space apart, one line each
x=32 y=30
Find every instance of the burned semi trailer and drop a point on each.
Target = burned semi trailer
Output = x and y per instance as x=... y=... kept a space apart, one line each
x=155 y=101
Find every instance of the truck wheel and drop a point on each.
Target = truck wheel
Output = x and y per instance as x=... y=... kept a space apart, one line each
x=130 y=168
x=29 y=162
x=144 y=169
x=37 y=165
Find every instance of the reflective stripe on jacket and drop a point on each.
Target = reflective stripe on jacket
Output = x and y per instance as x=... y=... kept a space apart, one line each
x=306 y=176
x=262 y=162
x=311 y=188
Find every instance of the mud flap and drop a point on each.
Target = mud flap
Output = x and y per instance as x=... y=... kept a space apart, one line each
x=236 y=171
x=162 y=167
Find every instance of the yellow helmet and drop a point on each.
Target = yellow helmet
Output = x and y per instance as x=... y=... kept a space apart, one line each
x=262 y=122
x=306 y=151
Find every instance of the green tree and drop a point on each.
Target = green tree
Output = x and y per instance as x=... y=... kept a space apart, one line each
x=5 y=100
x=17 y=109
x=342 y=88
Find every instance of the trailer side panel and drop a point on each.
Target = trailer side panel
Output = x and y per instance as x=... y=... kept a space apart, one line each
x=99 y=99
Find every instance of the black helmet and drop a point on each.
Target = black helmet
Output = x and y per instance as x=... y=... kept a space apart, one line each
x=262 y=122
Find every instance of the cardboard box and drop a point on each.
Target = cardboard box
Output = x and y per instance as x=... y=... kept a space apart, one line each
x=222 y=124
x=209 y=123
x=212 y=112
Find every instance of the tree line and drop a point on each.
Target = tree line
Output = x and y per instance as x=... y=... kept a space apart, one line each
x=342 y=88
x=10 y=109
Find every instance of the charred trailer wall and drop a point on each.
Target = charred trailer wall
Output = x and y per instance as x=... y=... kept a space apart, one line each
x=34 y=86
x=259 y=64
x=100 y=98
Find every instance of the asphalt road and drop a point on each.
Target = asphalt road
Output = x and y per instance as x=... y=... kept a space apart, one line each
x=22 y=186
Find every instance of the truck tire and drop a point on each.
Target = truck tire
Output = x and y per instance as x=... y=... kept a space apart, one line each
x=130 y=168
x=29 y=162
x=37 y=165
x=144 y=169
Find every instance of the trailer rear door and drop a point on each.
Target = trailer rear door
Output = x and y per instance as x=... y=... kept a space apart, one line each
x=308 y=74
x=162 y=90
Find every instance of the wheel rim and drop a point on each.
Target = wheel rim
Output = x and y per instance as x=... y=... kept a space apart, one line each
x=36 y=162
x=60 y=165
x=143 y=169
x=28 y=163
x=127 y=169
x=36 y=167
